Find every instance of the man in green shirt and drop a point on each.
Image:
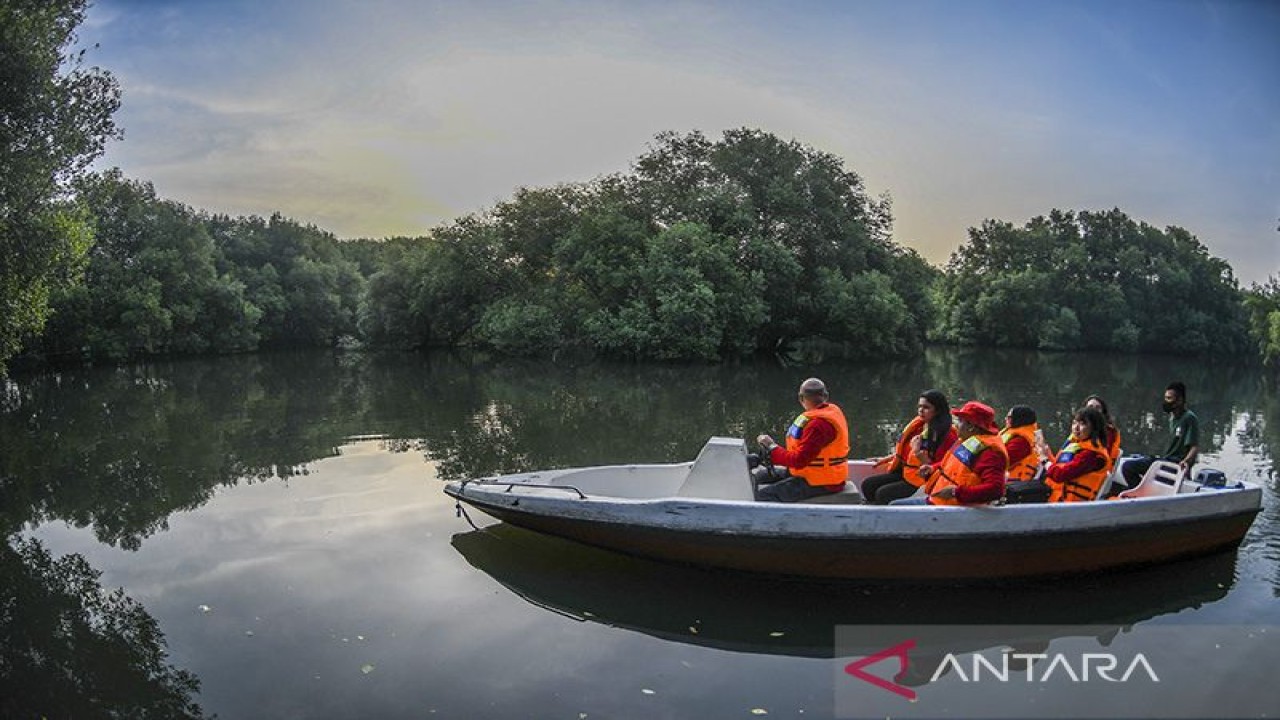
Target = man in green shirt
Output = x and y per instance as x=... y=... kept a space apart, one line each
x=1184 y=437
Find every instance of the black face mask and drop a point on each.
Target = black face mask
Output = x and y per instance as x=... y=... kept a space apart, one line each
x=1169 y=406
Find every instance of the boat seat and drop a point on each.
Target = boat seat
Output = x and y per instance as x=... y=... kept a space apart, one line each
x=1162 y=478
x=1115 y=479
x=848 y=496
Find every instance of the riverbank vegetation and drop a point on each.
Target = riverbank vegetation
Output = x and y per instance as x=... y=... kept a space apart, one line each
x=1090 y=280
x=705 y=249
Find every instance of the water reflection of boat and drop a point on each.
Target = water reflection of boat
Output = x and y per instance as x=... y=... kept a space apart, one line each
x=776 y=616
x=702 y=513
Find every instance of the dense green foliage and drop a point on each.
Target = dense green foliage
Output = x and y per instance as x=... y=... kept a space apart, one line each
x=55 y=116
x=164 y=279
x=1263 y=305
x=705 y=250
x=1090 y=280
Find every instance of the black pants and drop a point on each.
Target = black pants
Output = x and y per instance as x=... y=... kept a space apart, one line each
x=777 y=484
x=885 y=488
x=1135 y=467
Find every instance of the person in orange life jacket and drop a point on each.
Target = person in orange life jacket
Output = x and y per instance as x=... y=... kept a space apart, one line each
x=1078 y=470
x=923 y=443
x=1023 y=440
x=1019 y=435
x=815 y=459
x=973 y=472
x=1112 y=439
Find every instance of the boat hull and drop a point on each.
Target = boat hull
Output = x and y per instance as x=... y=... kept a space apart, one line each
x=863 y=542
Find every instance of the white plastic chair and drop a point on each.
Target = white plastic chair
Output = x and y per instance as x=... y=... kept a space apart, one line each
x=1162 y=478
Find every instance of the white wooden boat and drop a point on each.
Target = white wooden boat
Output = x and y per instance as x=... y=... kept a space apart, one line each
x=703 y=513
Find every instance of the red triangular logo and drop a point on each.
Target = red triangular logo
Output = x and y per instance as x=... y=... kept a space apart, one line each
x=899 y=651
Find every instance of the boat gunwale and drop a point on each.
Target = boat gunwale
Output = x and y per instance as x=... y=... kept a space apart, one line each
x=781 y=512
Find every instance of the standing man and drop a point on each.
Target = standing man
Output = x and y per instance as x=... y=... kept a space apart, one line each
x=815 y=460
x=1184 y=437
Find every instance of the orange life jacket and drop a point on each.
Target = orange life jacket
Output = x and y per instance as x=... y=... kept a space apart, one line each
x=957 y=468
x=903 y=458
x=831 y=466
x=1084 y=487
x=1025 y=469
x=1113 y=447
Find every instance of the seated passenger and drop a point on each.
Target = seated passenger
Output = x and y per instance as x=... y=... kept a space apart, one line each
x=815 y=461
x=1184 y=438
x=1022 y=439
x=973 y=472
x=923 y=443
x=1081 y=466
x=1112 y=440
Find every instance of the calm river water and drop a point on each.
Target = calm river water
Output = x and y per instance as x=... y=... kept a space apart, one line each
x=276 y=529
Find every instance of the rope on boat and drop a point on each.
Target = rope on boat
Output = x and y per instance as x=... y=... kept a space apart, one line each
x=462 y=513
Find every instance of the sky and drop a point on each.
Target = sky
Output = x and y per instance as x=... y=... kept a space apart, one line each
x=379 y=118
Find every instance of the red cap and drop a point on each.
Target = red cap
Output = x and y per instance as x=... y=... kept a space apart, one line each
x=976 y=413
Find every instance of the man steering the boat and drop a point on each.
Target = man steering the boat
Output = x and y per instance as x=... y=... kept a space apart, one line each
x=815 y=459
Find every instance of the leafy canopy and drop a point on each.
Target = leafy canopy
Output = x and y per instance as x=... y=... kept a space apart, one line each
x=55 y=117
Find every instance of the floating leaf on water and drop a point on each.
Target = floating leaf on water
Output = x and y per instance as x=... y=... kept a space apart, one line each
x=646 y=691
x=366 y=668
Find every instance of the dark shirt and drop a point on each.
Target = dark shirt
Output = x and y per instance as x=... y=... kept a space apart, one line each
x=1184 y=434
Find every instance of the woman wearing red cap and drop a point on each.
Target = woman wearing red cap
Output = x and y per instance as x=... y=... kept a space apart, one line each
x=973 y=473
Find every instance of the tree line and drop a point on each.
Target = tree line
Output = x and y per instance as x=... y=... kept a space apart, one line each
x=706 y=249
x=703 y=252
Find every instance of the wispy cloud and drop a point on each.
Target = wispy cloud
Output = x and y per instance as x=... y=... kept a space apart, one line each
x=384 y=118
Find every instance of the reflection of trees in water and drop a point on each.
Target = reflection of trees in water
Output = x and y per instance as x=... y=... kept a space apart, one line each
x=1055 y=384
x=1261 y=427
x=118 y=450
x=73 y=650
x=523 y=416
x=1260 y=433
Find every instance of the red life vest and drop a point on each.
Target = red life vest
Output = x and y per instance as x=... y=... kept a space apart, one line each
x=831 y=466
